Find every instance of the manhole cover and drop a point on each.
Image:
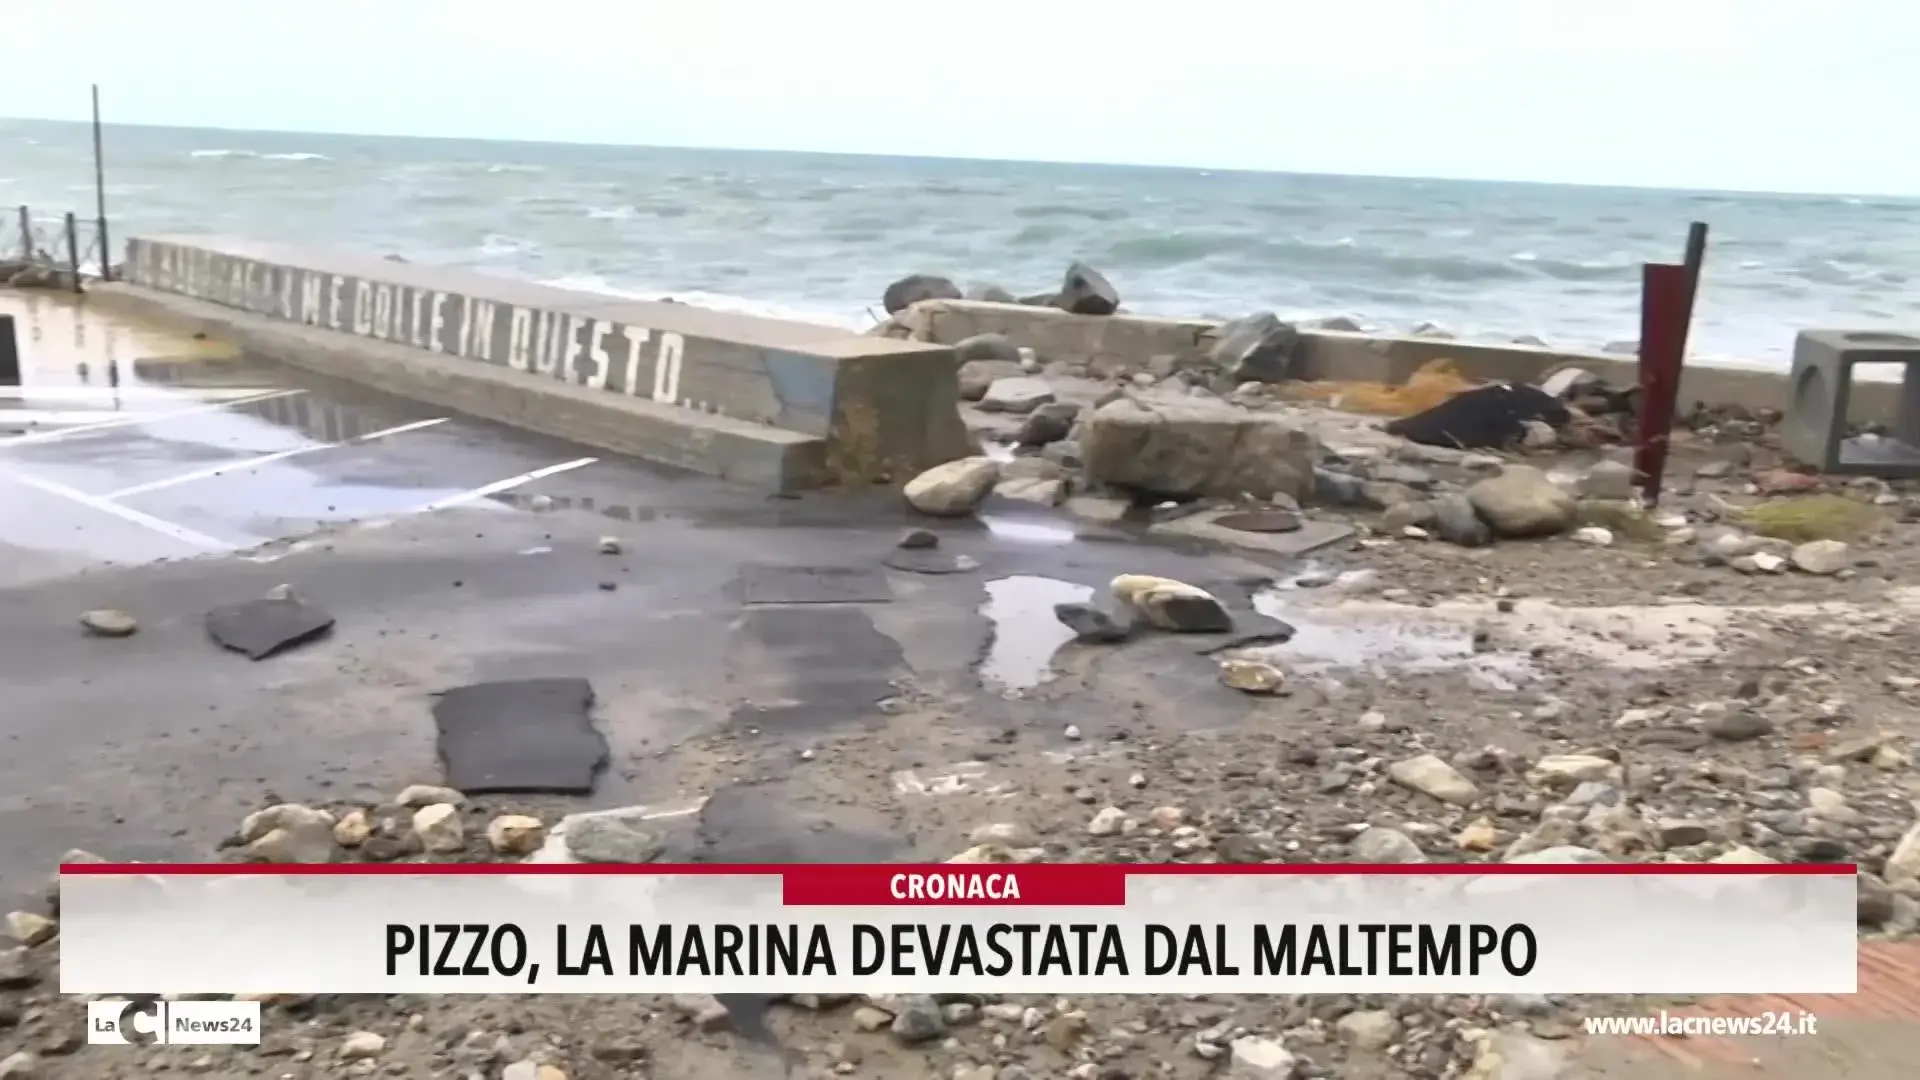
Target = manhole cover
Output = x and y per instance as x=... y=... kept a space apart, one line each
x=1261 y=521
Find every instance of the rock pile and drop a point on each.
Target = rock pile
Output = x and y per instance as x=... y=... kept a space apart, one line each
x=1083 y=291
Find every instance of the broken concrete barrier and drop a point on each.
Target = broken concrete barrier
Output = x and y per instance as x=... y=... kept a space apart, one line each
x=775 y=403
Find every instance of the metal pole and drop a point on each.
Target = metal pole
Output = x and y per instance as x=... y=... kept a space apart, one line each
x=1663 y=346
x=100 y=192
x=9 y=353
x=1696 y=254
x=73 y=250
x=26 y=234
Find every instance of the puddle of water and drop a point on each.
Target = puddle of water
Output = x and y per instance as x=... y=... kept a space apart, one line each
x=1025 y=633
x=64 y=341
x=1327 y=639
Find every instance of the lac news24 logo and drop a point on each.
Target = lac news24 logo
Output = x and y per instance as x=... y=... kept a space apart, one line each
x=178 y=1023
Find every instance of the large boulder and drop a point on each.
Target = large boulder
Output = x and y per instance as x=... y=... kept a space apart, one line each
x=987 y=347
x=1020 y=395
x=1257 y=348
x=1195 y=447
x=977 y=376
x=992 y=294
x=1522 y=502
x=953 y=489
x=914 y=288
x=1086 y=292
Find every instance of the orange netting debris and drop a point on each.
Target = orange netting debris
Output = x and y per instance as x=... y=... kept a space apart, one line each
x=1433 y=383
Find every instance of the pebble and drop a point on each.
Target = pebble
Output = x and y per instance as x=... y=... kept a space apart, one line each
x=1481 y=835
x=1255 y=1058
x=1093 y=625
x=1594 y=536
x=529 y=1069
x=609 y=545
x=15 y=969
x=440 y=828
x=29 y=928
x=416 y=796
x=106 y=622
x=362 y=1044
x=1382 y=845
x=352 y=829
x=1251 y=676
x=1429 y=775
x=1371 y=1030
x=1107 y=822
x=1823 y=557
x=516 y=834
x=1737 y=726
x=918 y=540
x=20 y=1065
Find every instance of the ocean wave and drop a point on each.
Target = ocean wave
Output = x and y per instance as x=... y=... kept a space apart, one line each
x=505 y=168
x=1066 y=210
x=610 y=213
x=738 y=305
x=499 y=245
x=219 y=153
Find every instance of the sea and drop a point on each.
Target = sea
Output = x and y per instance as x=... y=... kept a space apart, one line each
x=819 y=236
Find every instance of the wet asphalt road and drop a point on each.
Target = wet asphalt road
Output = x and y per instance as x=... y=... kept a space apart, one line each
x=453 y=551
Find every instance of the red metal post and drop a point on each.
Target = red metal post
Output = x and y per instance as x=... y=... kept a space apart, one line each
x=1665 y=299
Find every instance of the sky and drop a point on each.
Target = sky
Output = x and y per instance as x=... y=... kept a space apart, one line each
x=1766 y=95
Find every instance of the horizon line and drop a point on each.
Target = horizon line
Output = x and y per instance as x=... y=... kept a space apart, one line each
x=1414 y=178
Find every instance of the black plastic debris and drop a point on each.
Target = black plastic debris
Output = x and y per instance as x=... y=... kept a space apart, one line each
x=1484 y=418
x=267 y=626
x=520 y=737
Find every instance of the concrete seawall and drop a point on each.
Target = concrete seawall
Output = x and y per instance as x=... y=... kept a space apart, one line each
x=781 y=404
x=1111 y=345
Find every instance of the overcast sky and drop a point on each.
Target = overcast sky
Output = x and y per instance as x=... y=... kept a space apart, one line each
x=1782 y=95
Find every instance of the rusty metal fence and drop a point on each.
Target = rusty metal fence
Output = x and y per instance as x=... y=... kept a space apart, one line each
x=53 y=253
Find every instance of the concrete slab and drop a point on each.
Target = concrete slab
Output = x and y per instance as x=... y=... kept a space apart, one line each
x=521 y=736
x=268 y=626
x=1312 y=536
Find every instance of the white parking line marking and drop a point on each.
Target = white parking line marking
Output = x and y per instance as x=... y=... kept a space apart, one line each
x=265 y=459
x=41 y=392
x=127 y=514
x=508 y=484
x=58 y=417
x=150 y=418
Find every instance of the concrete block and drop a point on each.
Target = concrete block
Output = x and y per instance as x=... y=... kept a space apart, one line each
x=1821 y=389
x=882 y=410
x=758 y=455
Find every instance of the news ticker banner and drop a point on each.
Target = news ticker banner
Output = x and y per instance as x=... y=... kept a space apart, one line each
x=1029 y=929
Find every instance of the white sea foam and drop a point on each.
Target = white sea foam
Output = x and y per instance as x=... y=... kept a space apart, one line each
x=610 y=213
x=496 y=245
x=296 y=155
x=738 y=305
